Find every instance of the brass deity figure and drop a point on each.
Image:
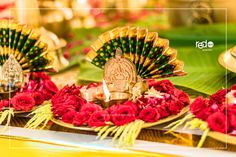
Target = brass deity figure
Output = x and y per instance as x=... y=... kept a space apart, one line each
x=119 y=73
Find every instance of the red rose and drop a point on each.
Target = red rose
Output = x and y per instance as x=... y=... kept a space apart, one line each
x=122 y=114
x=81 y=118
x=149 y=115
x=60 y=110
x=38 y=98
x=233 y=87
x=132 y=105
x=47 y=88
x=4 y=103
x=98 y=118
x=65 y=100
x=23 y=101
x=234 y=94
x=174 y=107
x=39 y=76
x=218 y=97
x=217 y=107
x=231 y=108
x=217 y=122
x=232 y=120
x=31 y=86
x=182 y=96
x=90 y=108
x=161 y=109
x=198 y=105
x=164 y=86
x=69 y=116
x=204 y=113
x=50 y=86
x=144 y=102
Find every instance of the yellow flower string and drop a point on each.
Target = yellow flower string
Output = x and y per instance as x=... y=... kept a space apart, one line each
x=126 y=134
x=192 y=124
x=42 y=116
x=177 y=123
x=197 y=123
x=6 y=115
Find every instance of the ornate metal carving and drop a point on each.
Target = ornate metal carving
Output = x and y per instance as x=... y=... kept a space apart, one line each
x=119 y=73
x=12 y=72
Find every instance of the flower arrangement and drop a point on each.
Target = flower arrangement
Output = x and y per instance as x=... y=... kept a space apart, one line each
x=121 y=120
x=216 y=114
x=38 y=89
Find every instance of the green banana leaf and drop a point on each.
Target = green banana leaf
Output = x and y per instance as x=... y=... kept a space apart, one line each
x=205 y=75
x=187 y=36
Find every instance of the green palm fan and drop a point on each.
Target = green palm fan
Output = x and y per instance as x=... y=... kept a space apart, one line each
x=151 y=55
x=24 y=44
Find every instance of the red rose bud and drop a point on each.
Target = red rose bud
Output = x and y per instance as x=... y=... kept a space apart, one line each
x=232 y=120
x=182 y=96
x=132 y=105
x=234 y=94
x=164 y=86
x=61 y=109
x=98 y=118
x=144 y=102
x=4 y=103
x=233 y=87
x=161 y=109
x=174 y=107
x=204 y=113
x=69 y=116
x=231 y=108
x=149 y=115
x=198 y=105
x=51 y=86
x=38 y=98
x=122 y=114
x=90 y=108
x=218 y=122
x=81 y=118
x=218 y=97
x=39 y=76
x=67 y=98
x=23 y=102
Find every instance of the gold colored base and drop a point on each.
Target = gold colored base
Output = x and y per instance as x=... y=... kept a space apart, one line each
x=115 y=98
x=228 y=59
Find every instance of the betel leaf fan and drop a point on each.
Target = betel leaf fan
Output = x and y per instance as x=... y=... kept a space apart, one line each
x=24 y=44
x=151 y=55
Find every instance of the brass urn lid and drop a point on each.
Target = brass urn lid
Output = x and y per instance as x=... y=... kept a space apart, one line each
x=228 y=59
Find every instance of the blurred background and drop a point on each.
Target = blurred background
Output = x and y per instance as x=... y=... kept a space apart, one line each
x=71 y=26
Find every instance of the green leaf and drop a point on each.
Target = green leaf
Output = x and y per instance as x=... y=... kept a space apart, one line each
x=205 y=75
x=187 y=36
x=89 y=73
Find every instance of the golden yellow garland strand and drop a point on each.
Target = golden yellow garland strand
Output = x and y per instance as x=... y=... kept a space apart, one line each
x=42 y=116
x=192 y=124
x=126 y=134
x=7 y=114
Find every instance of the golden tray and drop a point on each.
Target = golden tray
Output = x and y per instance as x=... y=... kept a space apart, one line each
x=223 y=137
x=146 y=125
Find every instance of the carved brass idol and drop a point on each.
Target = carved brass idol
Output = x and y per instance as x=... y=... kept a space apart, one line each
x=119 y=73
x=11 y=75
